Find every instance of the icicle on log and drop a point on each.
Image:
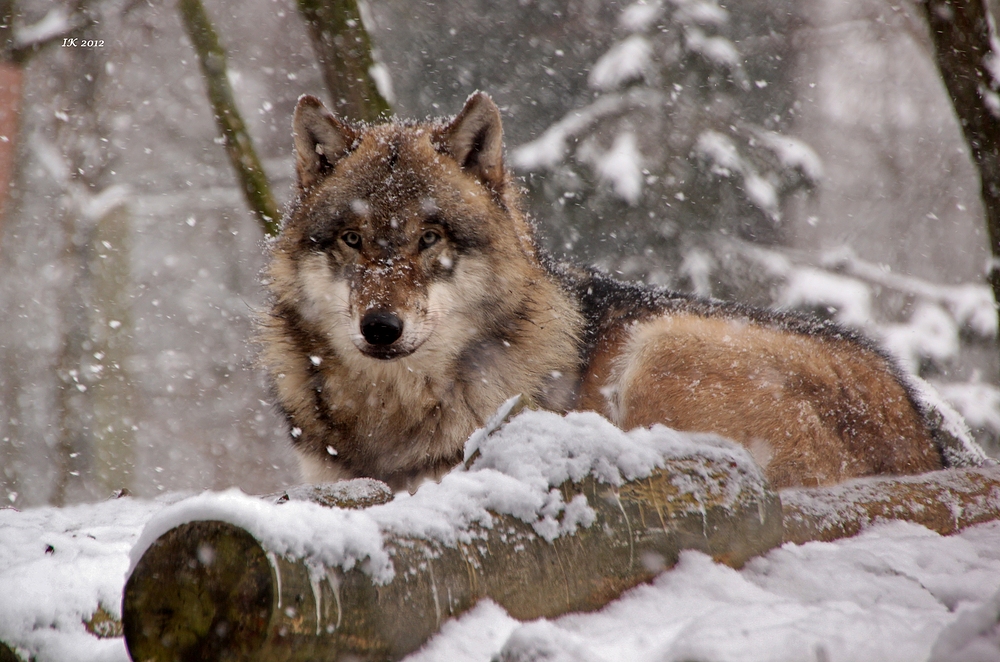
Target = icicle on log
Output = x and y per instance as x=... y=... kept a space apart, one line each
x=945 y=501
x=208 y=590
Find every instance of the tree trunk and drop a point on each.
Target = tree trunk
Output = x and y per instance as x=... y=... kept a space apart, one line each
x=93 y=389
x=344 y=51
x=11 y=81
x=239 y=146
x=968 y=57
x=112 y=391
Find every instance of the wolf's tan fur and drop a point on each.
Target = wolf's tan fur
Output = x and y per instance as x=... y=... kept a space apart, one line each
x=486 y=315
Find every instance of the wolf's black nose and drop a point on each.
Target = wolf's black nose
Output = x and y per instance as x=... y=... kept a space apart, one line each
x=381 y=328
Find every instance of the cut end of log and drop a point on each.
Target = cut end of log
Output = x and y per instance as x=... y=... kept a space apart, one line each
x=208 y=598
x=7 y=654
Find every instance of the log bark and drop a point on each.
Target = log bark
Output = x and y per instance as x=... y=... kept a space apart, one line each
x=209 y=590
x=945 y=501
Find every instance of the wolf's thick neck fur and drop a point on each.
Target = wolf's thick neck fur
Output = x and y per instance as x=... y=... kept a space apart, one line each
x=420 y=225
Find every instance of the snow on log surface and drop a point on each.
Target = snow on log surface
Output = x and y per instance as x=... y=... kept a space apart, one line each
x=555 y=514
x=945 y=501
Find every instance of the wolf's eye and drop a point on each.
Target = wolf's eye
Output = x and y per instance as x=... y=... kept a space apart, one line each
x=352 y=239
x=429 y=238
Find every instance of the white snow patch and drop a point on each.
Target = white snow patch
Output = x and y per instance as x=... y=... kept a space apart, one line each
x=56 y=566
x=977 y=402
x=301 y=529
x=793 y=154
x=516 y=473
x=721 y=152
x=551 y=148
x=761 y=193
x=473 y=636
x=884 y=595
x=960 y=449
x=974 y=308
x=56 y=22
x=640 y=16
x=990 y=99
x=717 y=50
x=700 y=12
x=626 y=61
x=814 y=288
x=383 y=81
x=992 y=59
x=97 y=206
x=698 y=266
x=930 y=334
x=973 y=637
x=621 y=167
x=725 y=161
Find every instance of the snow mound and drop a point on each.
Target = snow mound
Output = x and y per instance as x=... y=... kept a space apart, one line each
x=57 y=565
x=627 y=61
x=973 y=637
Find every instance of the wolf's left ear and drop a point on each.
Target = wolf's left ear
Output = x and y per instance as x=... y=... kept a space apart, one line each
x=475 y=139
x=320 y=140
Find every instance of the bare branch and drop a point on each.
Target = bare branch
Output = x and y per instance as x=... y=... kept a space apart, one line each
x=344 y=51
x=239 y=146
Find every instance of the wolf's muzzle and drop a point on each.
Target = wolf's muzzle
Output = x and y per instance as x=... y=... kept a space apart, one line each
x=381 y=328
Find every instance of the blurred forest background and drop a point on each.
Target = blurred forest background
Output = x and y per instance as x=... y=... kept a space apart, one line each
x=802 y=154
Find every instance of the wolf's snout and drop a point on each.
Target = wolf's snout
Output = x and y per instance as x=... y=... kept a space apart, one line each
x=380 y=327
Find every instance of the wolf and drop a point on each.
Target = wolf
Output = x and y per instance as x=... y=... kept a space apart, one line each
x=409 y=298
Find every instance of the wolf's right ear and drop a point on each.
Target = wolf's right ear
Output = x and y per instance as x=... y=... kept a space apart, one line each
x=320 y=140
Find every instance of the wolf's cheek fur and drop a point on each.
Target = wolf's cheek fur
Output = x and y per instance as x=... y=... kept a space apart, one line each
x=325 y=301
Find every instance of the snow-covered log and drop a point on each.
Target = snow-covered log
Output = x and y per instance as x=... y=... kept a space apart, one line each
x=549 y=514
x=945 y=501
x=211 y=589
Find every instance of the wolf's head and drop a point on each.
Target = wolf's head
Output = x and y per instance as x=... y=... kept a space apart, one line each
x=403 y=237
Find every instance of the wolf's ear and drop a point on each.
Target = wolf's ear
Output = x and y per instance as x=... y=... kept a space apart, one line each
x=475 y=139
x=320 y=140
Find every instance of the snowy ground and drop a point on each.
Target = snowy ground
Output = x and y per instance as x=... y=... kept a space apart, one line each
x=896 y=592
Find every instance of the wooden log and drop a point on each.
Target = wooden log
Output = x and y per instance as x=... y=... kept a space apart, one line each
x=7 y=654
x=209 y=590
x=944 y=501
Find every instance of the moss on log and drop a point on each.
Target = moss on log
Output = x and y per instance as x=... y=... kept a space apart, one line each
x=944 y=501
x=209 y=590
